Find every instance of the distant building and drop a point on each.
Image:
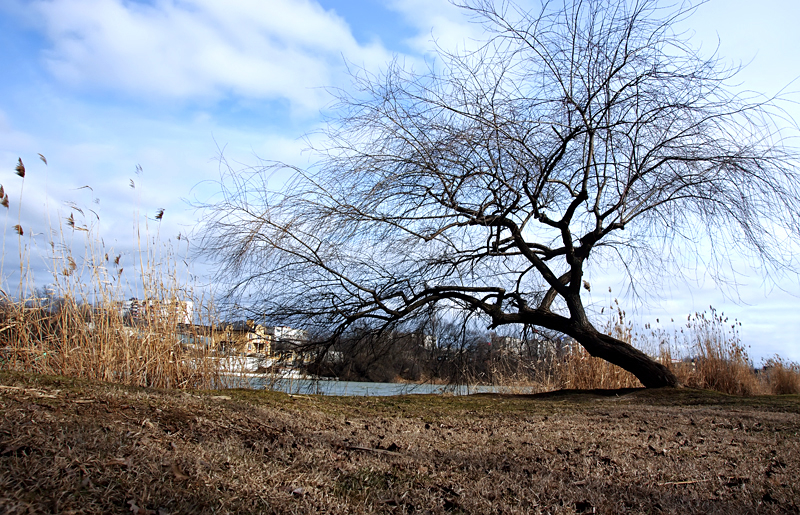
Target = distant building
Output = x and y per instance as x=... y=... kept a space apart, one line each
x=156 y=310
x=288 y=345
x=248 y=337
x=287 y=335
x=507 y=346
x=244 y=336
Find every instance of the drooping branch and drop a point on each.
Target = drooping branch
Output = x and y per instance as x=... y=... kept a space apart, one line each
x=586 y=132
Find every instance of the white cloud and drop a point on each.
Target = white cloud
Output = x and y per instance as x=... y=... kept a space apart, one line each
x=763 y=36
x=282 y=49
x=439 y=23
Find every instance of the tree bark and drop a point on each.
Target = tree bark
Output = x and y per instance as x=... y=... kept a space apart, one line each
x=650 y=372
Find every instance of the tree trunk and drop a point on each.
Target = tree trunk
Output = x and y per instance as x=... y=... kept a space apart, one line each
x=650 y=372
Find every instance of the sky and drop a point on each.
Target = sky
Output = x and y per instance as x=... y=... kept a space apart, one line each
x=150 y=93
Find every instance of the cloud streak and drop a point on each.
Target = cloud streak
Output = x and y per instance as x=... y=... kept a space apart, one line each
x=438 y=23
x=202 y=49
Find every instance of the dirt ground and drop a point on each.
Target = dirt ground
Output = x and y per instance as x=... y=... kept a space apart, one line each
x=69 y=446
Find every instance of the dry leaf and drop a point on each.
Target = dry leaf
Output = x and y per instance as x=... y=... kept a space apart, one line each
x=20 y=168
x=121 y=462
x=19 y=230
x=179 y=475
x=44 y=159
x=208 y=465
x=140 y=511
x=160 y=214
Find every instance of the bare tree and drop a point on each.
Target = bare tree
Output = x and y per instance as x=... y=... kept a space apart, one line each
x=585 y=132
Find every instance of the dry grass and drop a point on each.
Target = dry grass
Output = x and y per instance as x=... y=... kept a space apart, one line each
x=705 y=353
x=714 y=357
x=74 y=326
x=782 y=377
x=581 y=371
x=92 y=342
x=71 y=446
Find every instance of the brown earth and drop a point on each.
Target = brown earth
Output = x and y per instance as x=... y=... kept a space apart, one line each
x=69 y=446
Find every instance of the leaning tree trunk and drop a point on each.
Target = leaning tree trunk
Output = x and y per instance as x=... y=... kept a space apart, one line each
x=650 y=372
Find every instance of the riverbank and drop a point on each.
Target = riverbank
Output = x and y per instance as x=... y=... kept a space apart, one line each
x=69 y=445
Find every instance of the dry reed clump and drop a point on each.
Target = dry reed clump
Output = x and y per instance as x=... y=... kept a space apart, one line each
x=710 y=355
x=781 y=377
x=707 y=352
x=76 y=326
x=579 y=370
x=94 y=342
x=713 y=356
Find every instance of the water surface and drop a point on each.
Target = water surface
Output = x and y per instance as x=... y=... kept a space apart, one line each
x=365 y=389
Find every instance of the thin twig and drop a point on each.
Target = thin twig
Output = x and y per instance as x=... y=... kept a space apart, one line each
x=687 y=482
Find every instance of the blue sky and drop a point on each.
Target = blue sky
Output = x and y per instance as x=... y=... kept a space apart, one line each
x=101 y=86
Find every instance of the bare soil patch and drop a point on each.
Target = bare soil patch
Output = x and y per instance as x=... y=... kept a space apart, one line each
x=70 y=446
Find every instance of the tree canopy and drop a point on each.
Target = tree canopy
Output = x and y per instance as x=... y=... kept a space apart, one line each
x=580 y=134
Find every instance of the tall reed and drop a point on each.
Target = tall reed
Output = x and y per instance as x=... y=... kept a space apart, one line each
x=714 y=356
x=580 y=370
x=705 y=352
x=77 y=325
x=780 y=376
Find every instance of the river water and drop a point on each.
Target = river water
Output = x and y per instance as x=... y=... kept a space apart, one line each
x=360 y=389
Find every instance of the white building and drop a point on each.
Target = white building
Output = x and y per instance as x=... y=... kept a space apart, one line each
x=175 y=311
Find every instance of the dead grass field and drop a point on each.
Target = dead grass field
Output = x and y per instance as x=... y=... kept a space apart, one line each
x=72 y=446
